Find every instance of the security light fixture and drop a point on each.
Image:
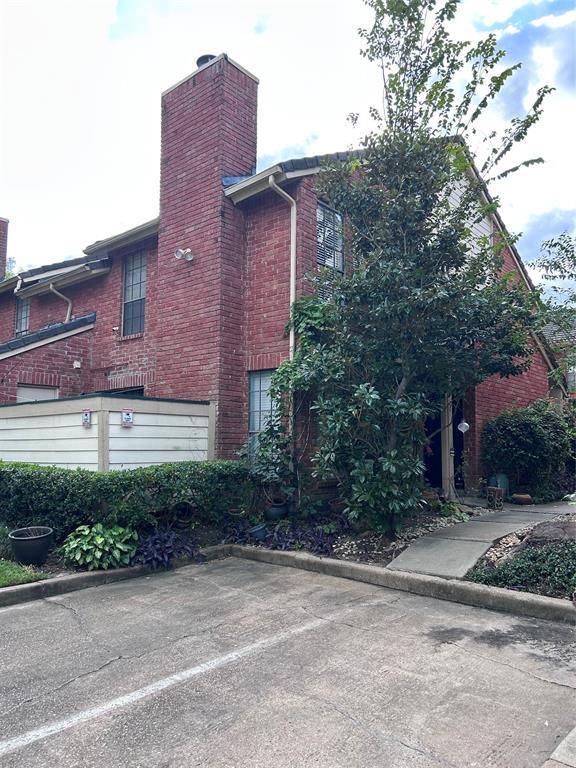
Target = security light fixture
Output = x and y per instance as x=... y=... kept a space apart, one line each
x=463 y=426
x=183 y=253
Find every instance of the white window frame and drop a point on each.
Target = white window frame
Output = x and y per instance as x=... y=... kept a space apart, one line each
x=260 y=405
x=134 y=291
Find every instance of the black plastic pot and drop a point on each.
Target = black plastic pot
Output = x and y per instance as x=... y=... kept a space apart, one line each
x=275 y=512
x=31 y=545
x=258 y=533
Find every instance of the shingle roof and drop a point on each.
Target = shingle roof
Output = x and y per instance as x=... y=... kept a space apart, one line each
x=56 y=265
x=45 y=333
x=316 y=161
x=555 y=334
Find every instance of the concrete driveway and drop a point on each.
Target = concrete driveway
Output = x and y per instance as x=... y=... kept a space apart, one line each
x=238 y=663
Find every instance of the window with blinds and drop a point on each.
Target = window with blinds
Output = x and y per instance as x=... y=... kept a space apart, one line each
x=330 y=251
x=134 y=294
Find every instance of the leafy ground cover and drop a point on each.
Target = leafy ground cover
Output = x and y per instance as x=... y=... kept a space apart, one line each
x=12 y=573
x=525 y=562
x=548 y=570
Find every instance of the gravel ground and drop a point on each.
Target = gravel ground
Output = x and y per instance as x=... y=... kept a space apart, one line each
x=507 y=546
x=377 y=549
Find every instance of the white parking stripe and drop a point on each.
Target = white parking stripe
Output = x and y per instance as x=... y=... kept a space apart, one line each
x=11 y=745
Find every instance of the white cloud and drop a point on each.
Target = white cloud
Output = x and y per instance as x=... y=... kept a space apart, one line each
x=555 y=22
x=550 y=186
x=80 y=94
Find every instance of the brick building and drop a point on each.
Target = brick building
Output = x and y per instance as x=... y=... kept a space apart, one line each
x=193 y=305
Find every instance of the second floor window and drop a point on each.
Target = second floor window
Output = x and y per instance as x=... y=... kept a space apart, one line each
x=22 y=317
x=134 y=294
x=330 y=249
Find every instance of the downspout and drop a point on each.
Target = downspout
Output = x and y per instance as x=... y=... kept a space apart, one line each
x=64 y=298
x=293 y=217
x=292 y=340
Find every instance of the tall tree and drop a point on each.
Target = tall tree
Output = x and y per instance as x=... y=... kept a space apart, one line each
x=426 y=311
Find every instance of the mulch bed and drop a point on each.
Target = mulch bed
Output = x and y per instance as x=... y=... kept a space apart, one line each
x=347 y=544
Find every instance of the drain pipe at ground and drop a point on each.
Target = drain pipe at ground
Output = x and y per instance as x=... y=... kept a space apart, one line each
x=65 y=298
x=293 y=215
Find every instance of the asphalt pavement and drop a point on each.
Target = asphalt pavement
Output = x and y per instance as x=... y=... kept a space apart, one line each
x=239 y=663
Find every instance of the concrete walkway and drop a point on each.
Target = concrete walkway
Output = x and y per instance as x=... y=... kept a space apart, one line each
x=450 y=552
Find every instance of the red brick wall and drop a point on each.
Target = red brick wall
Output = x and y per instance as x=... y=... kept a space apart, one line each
x=7 y=316
x=51 y=366
x=496 y=395
x=108 y=360
x=208 y=131
x=3 y=246
x=267 y=291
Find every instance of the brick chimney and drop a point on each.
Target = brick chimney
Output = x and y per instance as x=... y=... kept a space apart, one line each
x=208 y=132
x=3 y=246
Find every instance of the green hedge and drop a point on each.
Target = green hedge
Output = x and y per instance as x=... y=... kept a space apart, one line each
x=66 y=498
x=531 y=445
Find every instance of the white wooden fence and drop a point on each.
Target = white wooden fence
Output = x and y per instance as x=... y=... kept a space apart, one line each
x=104 y=432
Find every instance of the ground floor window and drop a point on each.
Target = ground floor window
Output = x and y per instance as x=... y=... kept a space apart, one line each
x=259 y=404
x=29 y=394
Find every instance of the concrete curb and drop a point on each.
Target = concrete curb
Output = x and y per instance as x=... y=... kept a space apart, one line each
x=37 y=590
x=455 y=590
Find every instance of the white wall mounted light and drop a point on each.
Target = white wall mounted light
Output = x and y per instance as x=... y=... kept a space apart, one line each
x=184 y=253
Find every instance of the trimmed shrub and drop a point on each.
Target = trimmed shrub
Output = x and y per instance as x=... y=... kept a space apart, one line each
x=548 y=570
x=67 y=498
x=5 y=546
x=532 y=446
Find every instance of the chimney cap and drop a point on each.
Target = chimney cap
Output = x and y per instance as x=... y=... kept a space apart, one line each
x=204 y=59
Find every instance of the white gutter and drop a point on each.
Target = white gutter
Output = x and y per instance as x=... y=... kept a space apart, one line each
x=293 y=218
x=65 y=298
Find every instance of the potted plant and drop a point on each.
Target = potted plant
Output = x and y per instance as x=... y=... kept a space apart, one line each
x=271 y=468
x=31 y=545
x=277 y=507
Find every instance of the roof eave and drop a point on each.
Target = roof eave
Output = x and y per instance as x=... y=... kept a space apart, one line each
x=125 y=239
x=258 y=183
x=79 y=275
x=254 y=185
x=8 y=284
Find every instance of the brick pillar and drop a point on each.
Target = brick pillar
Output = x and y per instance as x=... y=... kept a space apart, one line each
x=208 y=131
x=3 y=246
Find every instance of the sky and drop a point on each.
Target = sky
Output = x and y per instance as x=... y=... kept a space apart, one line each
x=80 y=85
